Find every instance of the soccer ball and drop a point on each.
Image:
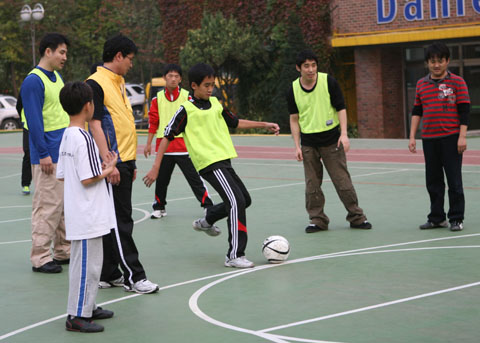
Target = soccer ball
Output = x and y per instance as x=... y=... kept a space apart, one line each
x=276 y=249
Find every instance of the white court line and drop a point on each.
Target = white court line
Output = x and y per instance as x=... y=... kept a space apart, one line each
x=15 y=220
x=229 y=273
x=13 y=242
x=7 y=176
x=193 y=301
x=373 y=307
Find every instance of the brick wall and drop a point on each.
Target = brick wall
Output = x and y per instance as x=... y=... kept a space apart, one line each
x=357 y=16
x=380 y=109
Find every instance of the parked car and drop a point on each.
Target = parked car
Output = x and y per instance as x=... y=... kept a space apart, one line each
x=9 y=118
x=136 y=95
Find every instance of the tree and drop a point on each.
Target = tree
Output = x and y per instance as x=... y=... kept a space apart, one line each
x=226 y=46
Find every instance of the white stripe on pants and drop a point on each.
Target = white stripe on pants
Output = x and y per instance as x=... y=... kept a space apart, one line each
x=86 y=258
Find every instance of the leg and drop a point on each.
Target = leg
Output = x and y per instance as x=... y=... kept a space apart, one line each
x=235 y=201
x=452 y=164
x=314 y=197
x=434 y=179
x=163 y=180
x=127 y=250
x=196 y=183
x=336 y=164
x=26 y=166
x=84 y=275
x=47 y=219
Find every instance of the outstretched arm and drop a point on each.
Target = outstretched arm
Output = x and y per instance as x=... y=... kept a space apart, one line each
x=152 y=175
x=252 y=124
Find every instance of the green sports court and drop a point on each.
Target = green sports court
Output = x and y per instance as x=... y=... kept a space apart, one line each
x=394 y=283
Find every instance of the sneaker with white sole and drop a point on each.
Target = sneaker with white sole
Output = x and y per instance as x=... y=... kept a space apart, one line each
x=157 y=214
x=239 y=262
x=202 y=225
x=112 y=283
x=143 y=287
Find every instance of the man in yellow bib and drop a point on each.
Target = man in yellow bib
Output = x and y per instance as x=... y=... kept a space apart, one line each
x=204 y=123
x=318 y=122
x=46 y=121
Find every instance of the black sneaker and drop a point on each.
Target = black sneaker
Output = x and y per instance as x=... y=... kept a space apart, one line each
x=456 y=226
x=314 y=228
x=49 y=268
x=363 y=226
x=60 y=262
x=431 y=225
x=80 y=324
x=100 y=313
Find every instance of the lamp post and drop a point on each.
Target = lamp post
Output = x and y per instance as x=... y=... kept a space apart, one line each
x=29 y=15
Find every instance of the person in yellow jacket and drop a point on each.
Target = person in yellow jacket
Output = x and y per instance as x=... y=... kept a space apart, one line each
x=113 y=129
x=46 y=121
x=318 y=122
x=162 y=109
x=204 y=123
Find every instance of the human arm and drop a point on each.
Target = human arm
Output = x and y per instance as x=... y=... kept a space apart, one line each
x=252 y=124
x=342 y=118
x=295 y=130
x=464 y=114
x=153 y=121
x=108 y=167
x=412 y=144
x=152 y=175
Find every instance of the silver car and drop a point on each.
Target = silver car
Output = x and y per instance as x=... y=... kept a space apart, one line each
x=9 y=118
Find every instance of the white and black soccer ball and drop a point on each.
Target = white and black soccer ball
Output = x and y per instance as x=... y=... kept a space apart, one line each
x=276 y=249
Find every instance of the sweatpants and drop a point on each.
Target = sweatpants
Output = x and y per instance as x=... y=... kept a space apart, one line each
x=197 y=185
x=119 y=246
x=86 y=258
x=26 y=165
x=235 y=201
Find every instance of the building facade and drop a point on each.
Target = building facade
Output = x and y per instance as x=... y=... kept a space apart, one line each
x=385 y=40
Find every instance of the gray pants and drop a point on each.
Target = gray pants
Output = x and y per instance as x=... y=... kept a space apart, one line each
x=336 y=164
x=86 y=258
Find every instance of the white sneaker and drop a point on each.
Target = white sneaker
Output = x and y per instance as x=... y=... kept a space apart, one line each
x=239 y=262
x=158 y=214
x=113 y=283
x=142 y=287
x=202 y=225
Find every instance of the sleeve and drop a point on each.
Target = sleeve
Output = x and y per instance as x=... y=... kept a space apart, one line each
x=177 y=124
x=230 y=118
x=463 y=110
x=33 y=98
x=336 y=96
x=291 y=104
x=153 y=119
x=87 y=162
x=60 y=164
x=417 y=110
x=462 y=93
x=418 y=100
x=97 y=99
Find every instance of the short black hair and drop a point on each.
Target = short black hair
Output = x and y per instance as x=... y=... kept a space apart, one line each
x=118 y=43
x=199 y=72
x=52 y=41
x=438 y=50
x=74 y=95
x=305 y=55
x=172 y=67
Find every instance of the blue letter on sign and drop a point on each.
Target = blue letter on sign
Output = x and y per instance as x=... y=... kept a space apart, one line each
x=414 y=10
x=382 y=18
x=476 y=5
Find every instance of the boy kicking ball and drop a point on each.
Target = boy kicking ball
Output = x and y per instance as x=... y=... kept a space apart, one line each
x=204 y=123
x=89 y=211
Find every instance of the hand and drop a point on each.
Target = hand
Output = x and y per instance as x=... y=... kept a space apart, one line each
x=46 y=165
x=345 y=142
x=110 y=160
x=147 y=151
x=114 y=177
x=150 y=177
x=298 y=154
x=274 y=128
x=412 y=145
x=462 y=144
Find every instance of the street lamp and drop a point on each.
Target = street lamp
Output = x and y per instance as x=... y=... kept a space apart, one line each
x=29 y=15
